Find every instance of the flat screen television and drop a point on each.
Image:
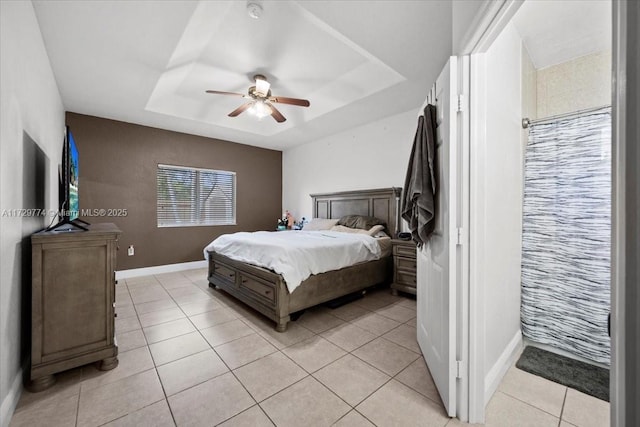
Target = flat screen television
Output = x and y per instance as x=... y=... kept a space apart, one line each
x=68 y=195
x=71 y=194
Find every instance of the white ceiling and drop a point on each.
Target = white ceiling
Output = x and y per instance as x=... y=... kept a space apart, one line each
x=558 y=31
x=150 y=62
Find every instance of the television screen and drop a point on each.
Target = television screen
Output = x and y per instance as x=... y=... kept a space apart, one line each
x=73 y=204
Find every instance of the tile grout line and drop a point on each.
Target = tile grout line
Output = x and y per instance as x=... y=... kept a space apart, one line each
x=78 y=404
x=564 y=402
x=529 y=404
x=126 y=415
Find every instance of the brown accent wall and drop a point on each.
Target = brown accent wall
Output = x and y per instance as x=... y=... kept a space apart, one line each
x=118 y=163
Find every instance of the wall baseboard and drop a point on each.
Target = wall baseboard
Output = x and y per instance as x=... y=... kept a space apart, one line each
x=10 y=401
x=499 y=369
x=160 y=269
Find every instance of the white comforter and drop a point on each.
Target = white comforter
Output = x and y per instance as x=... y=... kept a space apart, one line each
x=297 y=254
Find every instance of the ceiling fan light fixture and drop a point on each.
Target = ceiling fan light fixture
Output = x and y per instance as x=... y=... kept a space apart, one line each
x=260 y=109
x=262 y=85
x=261 y=103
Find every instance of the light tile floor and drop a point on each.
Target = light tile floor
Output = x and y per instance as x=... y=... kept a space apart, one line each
x=190 y=355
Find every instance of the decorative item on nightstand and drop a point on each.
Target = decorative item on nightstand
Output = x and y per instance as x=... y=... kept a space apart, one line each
x=300 y=224
x=404 y=266
x=287 y=222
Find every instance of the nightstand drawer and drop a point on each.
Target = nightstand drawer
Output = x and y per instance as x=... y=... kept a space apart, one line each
x=406 y=264
x=405 y=251
x=406 y=278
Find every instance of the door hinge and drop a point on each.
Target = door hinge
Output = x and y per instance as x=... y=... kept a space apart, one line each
x=460 y=103
x=459 y=236
x=459 y=368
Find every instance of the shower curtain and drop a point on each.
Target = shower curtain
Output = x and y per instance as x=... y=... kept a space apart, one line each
x=566 y=235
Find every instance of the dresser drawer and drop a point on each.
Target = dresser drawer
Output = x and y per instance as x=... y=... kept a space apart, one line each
x=259 y=289
x=405 y=264
x=405 y=251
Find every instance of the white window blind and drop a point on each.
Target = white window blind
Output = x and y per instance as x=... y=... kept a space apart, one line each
x=193 y=196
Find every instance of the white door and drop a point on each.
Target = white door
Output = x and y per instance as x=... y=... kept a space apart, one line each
x=437 y=262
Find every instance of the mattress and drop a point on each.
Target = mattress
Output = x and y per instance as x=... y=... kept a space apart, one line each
x=296 y=255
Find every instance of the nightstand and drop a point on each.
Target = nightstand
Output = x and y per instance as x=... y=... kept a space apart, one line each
x=404 y=266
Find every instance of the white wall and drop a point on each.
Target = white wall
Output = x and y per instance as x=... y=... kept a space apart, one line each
x=375 y=155
x=370 y=156
x=500 y=206
x=31 y=111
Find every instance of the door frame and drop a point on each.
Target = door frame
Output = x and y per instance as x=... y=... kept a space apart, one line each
x=462 y=247
x=493 y=18
x=625 y=251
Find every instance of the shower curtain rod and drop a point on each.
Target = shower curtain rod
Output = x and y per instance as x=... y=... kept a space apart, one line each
x=526 y=121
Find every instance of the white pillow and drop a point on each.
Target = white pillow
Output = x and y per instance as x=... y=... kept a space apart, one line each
x=320 y=224
x=370 y=232
x=380 y=234
x=375 y=230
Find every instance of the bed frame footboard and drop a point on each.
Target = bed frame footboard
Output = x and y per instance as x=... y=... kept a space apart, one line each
x=267 y=292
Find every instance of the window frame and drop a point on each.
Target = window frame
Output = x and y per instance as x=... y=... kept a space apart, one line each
x=196 y=208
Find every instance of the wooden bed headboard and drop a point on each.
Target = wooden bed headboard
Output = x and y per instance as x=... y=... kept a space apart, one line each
x=382 y=203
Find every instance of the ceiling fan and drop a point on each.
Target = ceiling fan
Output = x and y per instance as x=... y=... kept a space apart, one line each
x=261 y=101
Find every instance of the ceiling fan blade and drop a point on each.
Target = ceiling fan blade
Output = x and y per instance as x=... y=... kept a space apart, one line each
x=277 y=115
x=240 y=109
x=292 y=101
x=217 y=92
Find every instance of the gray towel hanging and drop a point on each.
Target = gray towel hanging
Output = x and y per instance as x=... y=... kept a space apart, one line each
x=418 y=203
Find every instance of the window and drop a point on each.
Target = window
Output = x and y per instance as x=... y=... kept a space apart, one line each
x=192 y=196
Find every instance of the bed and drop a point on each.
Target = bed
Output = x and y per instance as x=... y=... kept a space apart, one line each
x=267 y=292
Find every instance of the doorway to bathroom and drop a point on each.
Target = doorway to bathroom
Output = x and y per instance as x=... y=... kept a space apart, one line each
x=539 y=249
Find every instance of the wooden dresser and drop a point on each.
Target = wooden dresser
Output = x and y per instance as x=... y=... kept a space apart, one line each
x=404 y=266
x=72 y=301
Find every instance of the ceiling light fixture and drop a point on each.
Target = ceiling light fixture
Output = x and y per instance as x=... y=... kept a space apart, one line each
x=254 y=9
x=260 y=109
x=262 y=85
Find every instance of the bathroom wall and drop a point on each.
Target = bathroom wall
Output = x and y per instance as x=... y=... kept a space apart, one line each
x=580 y=83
